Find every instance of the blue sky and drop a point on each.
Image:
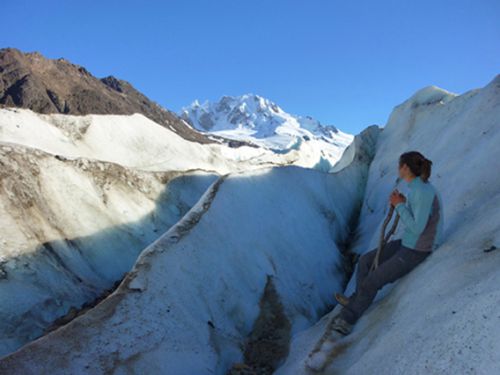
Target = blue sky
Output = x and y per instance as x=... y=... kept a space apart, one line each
x=346 y=63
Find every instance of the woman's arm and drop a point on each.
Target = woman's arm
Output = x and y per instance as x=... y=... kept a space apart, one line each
x=421 y=204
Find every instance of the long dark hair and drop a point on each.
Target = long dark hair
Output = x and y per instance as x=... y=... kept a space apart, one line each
x=418 y=164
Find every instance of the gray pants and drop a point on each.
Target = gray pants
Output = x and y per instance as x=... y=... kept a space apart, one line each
x=395 y=261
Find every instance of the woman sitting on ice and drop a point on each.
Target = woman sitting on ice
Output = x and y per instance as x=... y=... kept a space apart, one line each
x=422 y=217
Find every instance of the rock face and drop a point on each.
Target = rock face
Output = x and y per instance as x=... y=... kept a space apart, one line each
x=29 y=80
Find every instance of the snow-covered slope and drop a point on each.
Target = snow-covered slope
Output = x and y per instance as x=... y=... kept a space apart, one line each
x=132 y=141
x=82 y=196
x=192 y=298
x=137 y=142
x=70 y=229
x=258 y=120
x=442 y=318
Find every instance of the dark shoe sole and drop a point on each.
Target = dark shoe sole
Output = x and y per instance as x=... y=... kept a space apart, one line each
x=341 y=331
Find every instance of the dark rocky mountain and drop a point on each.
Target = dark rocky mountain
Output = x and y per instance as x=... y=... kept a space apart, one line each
x=29 y=80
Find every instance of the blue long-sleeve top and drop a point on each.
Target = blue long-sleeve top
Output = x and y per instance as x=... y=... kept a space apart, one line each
x=422 y=216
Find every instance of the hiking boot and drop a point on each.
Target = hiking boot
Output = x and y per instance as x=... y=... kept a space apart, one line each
x=341 y=326
x=343 y=300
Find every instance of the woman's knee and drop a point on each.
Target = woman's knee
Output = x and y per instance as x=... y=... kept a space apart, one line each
x=412 y=258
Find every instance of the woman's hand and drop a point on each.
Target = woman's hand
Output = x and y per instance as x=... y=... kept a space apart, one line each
x=396 y=197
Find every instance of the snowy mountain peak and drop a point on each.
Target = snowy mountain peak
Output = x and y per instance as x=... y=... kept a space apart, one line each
x=253 y=118
x=245 y=111
x=235 y=105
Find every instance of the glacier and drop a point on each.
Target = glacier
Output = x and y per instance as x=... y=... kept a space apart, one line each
x=82 y=196
x=190 y=301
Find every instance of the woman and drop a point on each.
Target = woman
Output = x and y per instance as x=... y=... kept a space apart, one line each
x=422 y=219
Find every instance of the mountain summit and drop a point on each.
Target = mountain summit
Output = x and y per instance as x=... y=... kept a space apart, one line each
x=29 y=80
x=256 y=119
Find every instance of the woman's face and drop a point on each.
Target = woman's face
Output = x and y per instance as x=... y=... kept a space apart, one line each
x=404 y=172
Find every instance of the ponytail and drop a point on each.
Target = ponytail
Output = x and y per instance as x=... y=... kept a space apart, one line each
x=418 y=164
x=426 y=170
